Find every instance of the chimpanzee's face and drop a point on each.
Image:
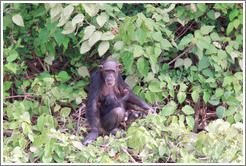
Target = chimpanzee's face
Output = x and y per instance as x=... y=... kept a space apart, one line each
x=110 y=71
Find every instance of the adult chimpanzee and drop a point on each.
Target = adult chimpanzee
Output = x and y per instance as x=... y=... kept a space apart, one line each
x=107 y=80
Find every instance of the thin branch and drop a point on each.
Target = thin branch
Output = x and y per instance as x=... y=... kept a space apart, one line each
x=185 y=51
x=41 y=63
x=125 y=151
x=80 y=109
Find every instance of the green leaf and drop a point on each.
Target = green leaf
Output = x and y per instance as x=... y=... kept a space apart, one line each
x=214 y=100
x=162 y=150
x=211 y=14
x=85 y=47
x=79 y=18
x=127 y=58
x=107 y=36
x=169 y=109
x=65 y=111
x=12 y=56
x=141 y=34
x=190 y=121
x=201 y=6
x=103 y=48
x=229 y=28
x=69 y=28
x=101 y=19
x=143 y=66
x=227 y=81
x=155 y=87
x=233 y=14
x=208 y=72
x=183 y=87
x=206 y=29
x=203 y=63
x=49 y=59
x=157 y=36
x=91 y=9
x=179 y=62
x=7 y=85
x=206 y=97
x=17 y=19
x=220 y=111
x=95 y=37
x=118 y=45
x=88 y=32
x=131 y=80
x=187 y=63
x=138 y=51
x=150 y=96
x=64 y=76
x=66 y=13
x=83 y=71
x=165 y=44
x=186 y=40
x=188 y=110
x=236 y=23
x=195 y=96
x=181 y=97
x=219 y=92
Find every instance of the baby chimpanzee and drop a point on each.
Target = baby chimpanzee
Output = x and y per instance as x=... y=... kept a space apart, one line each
x=112 y=102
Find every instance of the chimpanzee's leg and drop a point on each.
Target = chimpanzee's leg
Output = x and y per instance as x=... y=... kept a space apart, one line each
x=111 y=120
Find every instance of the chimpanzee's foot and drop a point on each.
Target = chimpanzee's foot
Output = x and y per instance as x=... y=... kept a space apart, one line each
x=114 y=131
x=90 y=138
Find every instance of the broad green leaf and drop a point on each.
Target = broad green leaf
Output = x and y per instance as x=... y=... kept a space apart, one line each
x=214 y=100
x=183 y=87
x=214 y=36
x=65 y=111
x=88 y=32
x=162 y=150
x=150 y=96
x=131 y=80
x=236 y=23
x=17 y=19
x=91 y=9
x=188 y=110
x=64 y=76
x=165 y=44
x=101 y=19
x=219 y=92
x=190 y=121
x=127 y=58
x=138 y=51
x=211 y=14
x=157 y=36
x=13 y=55
x=95 y=37
x=107 y=36
x=7 y=85
x=118 y=45
x=65 y=14
x=203 y=63
x=220 y=111
x=186 y=40
x=195 y=96
x=227 y=81
x=79 y=18
x=229 y=28
x=201 y=6
x=141 y=34
x=206 y=97
x=78 y=145
x=85 y=47
x=143 y=66
x=179 y=62
x=187 y=63
x=83 y=71
x=206 y=29
x=181 y=97
x=169 y=109
x=233 y=14
x=49 y=59
x=103 y=48
x=155 y=87
x=55 y=12
x=69 y=28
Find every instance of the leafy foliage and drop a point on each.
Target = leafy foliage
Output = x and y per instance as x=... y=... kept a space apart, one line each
x=183 y=59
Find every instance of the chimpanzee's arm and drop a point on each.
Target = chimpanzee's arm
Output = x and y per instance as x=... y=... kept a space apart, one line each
x=92 y=112
x=133 y=99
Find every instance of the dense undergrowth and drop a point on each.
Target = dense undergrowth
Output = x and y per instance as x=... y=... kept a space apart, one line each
x=184 y=59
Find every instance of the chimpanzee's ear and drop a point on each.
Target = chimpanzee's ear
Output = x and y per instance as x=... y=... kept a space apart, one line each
x=120 y=66
x=100 y=67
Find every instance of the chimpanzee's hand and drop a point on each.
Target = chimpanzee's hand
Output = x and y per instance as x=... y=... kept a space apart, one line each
x=90 y=137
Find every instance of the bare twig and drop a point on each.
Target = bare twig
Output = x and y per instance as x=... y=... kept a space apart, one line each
x=185 y=51
x=41 y=63
x=125 y=151
x=80 y=109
